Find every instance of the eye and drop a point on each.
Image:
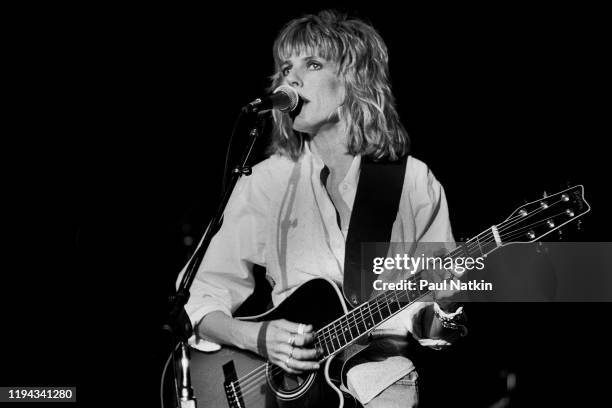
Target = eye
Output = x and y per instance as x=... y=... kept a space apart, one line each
x=285 y=71
x=314 y=65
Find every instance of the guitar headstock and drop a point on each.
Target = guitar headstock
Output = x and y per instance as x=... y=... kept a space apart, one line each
x=532 y=221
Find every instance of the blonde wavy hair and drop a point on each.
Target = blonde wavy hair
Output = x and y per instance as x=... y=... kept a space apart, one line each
x=374 y=128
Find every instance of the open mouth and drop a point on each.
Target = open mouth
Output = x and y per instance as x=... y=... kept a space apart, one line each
x=301 y=102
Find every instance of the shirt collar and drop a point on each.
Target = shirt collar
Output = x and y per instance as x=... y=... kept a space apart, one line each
x=352 y=175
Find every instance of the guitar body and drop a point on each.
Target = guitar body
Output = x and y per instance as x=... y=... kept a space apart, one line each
x=221 y=378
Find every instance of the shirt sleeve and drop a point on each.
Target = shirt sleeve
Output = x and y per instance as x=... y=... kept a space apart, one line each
x=224 y=279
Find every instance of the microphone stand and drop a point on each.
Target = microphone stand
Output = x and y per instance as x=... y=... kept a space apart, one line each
x=177 y=322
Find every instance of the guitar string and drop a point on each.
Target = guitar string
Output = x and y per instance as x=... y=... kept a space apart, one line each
x=376 y=306
x=326 y=337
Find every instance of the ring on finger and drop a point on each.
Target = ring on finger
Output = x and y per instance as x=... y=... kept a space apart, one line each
x=291 y=340
x=291 y=352
x=287 y=361
x=301 y=328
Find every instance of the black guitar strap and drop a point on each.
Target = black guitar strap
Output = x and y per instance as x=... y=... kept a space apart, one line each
x=374 y=211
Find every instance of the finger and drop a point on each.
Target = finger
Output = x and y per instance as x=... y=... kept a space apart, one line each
x=303 y=354
x=283 y=336
x=302 y=340
x=280 y=335
x=284 y=366
x=298 y=353
x=300 y=365
x=293 y=327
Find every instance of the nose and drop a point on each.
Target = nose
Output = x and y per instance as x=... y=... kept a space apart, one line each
x=294 y=79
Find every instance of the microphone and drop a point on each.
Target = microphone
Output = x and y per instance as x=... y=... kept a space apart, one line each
x=284 y=98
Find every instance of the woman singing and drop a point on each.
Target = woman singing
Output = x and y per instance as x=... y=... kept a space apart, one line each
x=292 y=214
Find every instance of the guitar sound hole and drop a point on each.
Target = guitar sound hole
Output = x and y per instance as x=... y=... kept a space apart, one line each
x=286 y=385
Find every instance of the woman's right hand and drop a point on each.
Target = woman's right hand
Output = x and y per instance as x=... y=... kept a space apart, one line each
x=288 y=345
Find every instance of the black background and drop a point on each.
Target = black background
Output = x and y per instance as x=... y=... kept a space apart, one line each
x=114 y=155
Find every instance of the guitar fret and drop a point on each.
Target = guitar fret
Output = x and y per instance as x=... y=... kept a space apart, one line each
x=375 y=303
x=463 y=248
x=388 y=307
x=479 y=246
x=322 y=339
x=323 y=334
x=330 y=347
x=371 y=322
x=325 y=338
x=384 y=307
x=379 y=309
x=407 y=292
x=362 y=321
x=418 y=293
x=410 y=294
x=335 y=337
x=354 y=326
x=319 y=347
x=381 y=304
x=389 y=304
x=343 y=330
x=399 y=304
x=347 y=329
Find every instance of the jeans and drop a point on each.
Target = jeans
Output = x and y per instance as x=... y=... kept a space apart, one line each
x=404 y=393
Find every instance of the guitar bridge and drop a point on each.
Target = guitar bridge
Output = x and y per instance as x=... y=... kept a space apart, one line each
x=231 y=385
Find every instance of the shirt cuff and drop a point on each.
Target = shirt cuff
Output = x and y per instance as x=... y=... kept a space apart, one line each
x=365 y=381
x=196 y=315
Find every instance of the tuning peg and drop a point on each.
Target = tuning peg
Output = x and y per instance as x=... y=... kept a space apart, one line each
x=544 y=195
x=579 y=225
x=560 y=234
